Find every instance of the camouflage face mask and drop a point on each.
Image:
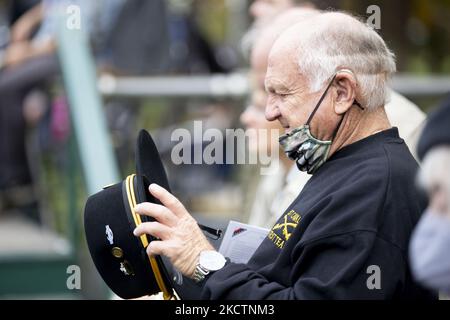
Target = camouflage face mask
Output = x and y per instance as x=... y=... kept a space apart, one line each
x=308 y=152
x=300 y=145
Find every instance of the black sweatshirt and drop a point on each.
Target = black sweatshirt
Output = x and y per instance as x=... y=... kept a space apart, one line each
x=344 y=237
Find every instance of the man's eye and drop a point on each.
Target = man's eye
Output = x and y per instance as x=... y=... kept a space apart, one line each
x=283 y=95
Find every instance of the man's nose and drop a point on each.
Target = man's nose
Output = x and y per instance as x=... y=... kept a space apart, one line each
x=272 y=112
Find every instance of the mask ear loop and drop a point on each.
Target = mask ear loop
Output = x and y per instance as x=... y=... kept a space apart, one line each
x=355 y=102
x=342 y=118
x=320 y=101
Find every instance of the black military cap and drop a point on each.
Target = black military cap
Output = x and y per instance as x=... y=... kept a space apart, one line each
x=119 y=256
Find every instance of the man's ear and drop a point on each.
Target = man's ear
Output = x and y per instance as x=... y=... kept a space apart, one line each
x=345 y=84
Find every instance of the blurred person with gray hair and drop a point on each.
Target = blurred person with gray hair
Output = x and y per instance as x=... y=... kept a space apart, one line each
x=346 y=235
x=275 y=191
x=429 y=249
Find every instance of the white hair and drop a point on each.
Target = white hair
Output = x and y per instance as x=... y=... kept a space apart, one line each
x=435 y=170
x=334 y=41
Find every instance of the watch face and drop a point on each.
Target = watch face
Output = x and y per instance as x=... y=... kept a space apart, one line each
x=212 y=260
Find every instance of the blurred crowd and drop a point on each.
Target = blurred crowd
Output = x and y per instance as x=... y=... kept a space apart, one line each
x=34 y=113
x=145 y=38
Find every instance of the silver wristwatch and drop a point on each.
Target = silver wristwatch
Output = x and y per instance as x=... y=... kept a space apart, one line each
x=209 y=261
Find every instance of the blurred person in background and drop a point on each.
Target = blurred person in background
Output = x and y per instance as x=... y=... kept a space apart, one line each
x=190 y=51
x=29 y=65
x=430 y=243
x=275 y=192
x=26 y=63
x=263 y=12
x=135 y=38
x=267 y=9
x=32 y=117
x=130 y=38
x=194 y=51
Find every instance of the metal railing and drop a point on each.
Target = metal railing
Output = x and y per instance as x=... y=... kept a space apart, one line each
x=236 y=85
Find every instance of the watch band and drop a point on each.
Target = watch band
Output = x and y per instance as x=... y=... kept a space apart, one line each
x=200 y=273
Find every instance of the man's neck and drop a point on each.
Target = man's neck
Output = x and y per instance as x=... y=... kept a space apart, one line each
x=358 y=125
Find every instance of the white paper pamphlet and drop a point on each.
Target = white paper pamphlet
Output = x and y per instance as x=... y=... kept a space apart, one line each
x=241 y=241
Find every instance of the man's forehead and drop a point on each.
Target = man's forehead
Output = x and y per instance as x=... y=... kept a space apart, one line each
x=282 y=79
x=284 y=48
x=283 y=61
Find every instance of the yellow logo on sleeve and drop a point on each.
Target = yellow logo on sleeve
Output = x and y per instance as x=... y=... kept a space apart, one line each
x=281 y=232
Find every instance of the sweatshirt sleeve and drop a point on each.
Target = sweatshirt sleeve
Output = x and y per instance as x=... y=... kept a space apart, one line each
x=336 y=267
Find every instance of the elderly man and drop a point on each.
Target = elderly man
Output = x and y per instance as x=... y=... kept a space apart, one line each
x=346 y=234
x=275 y=192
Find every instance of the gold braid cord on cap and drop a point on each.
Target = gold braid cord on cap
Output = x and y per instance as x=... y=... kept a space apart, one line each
x=137 y=220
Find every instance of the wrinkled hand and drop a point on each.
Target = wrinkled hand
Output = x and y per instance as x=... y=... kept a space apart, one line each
x=181 y=239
